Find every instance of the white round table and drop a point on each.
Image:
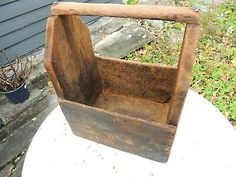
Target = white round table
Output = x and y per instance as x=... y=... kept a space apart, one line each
x=204 y=145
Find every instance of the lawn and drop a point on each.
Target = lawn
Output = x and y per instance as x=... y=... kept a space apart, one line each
x=214 y=71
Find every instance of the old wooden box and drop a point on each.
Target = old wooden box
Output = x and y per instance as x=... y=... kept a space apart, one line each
x=130 y=106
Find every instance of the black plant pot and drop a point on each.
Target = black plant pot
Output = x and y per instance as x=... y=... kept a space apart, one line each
x=19 y=95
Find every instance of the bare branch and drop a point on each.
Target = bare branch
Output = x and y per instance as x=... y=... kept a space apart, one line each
x=14 y=75
x=30 y=67
x=5 y=81
x=3 y=72
x=3 y=52
x=25 y=68
x=17 y=62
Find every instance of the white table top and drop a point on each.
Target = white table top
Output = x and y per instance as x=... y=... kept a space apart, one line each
x=205 y=145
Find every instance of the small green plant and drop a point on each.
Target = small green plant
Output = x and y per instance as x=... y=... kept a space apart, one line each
x=214 y=72
x=131 y=2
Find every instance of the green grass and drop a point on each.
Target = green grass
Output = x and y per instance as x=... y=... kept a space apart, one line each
x=214 y=72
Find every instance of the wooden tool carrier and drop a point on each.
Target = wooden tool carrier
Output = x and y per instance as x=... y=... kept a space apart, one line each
x=130 y=106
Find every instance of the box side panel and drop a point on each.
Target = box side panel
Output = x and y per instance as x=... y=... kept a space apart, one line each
x=137 y=79
x=73 y=60
x=133 y=135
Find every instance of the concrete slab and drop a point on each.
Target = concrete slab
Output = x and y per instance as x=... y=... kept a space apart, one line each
x=106 y=26
x=22 y=118
x=19 y=140
x=124 y=41
x=6 y=171
x=10 y=111
x=17 y=171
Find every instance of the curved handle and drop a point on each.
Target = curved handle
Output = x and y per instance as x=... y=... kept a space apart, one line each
x=169 y=13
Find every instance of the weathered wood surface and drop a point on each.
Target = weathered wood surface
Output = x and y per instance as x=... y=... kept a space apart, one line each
x=50 y=30
x=74 y=63
x=133 y=106
x=100 y=96
x=171 y=13
x=147 y=139
x=150 y=81
x=184 y=72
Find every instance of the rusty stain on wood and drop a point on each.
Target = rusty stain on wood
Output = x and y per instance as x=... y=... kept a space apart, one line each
x=126 y=105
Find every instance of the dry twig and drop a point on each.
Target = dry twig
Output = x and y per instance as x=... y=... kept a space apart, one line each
x=14 y=75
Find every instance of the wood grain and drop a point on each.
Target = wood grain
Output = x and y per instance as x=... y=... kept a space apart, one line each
x=170 y=13
x=149 y=81
x=73 y=60
x=50 y=30
x=133 y=106
x=130 y=106
x=184 y=72
x=147 y=139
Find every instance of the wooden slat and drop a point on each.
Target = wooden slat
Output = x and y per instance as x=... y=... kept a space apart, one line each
x=4 y=2
x=80 y=82
x=171 y=13
x=25 y=46
x=74 y=0
x=24 y=20
x=20 y=7
x=22 y=34
x=50 y=28
x=148 y=81
x=17 y=32
x=184 y=72
x=147 y=139
x=27 y=19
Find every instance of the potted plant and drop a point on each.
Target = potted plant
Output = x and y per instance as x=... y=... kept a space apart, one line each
x=13 y=78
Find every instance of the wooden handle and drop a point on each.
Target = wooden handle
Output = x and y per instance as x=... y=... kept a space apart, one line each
x=169 y=13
